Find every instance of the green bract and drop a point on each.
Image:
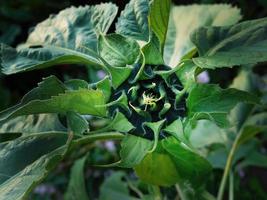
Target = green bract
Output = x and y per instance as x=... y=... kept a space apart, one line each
x=149 y=97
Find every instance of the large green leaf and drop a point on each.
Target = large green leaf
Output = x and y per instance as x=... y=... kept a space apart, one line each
x=77 y=188
x=118 y=51
x=185 y=19
x=133 y=21
x=244 y=43
x=157 y=168
x=39 y=100
x=207 y=101
x=189 y=165
x=32 y=124
x=68 y=37
x=86 y=102
x=26 y=161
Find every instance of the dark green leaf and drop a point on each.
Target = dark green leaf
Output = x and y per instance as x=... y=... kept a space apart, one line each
x=244 y=43
x=189 y=165
x=26 y=161
x=213 y=103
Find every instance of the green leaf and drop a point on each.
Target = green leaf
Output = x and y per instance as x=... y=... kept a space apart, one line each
x=118 y=51
x=189 y=165
x=185 y=19
x=133 y=21
x=211 y=102
x=68 y=37
x=76 y=187
x=152 y=51
x=244 y=43
x=206 y=133
x=156 y=128
x=157 y=168
x=114 y=188
x=26 y=161
x=32 y=124
x=120 y=123
x=158 y=18
x=176 y=129
x=77 y=123
x=86 y=102
x=133 y=150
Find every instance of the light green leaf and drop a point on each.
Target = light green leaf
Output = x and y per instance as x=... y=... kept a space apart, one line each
x=189 y=165
x=118 y=51
x=68 y=37
x=86 y=102
x=206 y=133
x=114 y=188
x=133 y=150
x=211 y=102
x=185 y=19
x=240 y=44
x=76 y=187
x=26 y=161
x=176 y=129
x=133 y=21
x=158 y=19
x=51 y=96
x=157 y=168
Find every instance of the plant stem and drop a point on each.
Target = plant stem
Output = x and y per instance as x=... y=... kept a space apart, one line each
x=231 y=185
x=156 y=192
x=95 y=137
x=228 y=166
x=180 y=192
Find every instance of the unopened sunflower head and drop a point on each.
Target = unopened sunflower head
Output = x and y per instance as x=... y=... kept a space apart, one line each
x=158 y=96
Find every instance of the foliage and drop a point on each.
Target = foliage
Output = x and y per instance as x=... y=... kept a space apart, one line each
x=150 y=99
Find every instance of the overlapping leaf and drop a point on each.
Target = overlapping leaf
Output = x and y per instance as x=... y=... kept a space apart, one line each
x=213 y=103
x=243 y=43
x=40 y=100
x=185 y=19
x=69 y=37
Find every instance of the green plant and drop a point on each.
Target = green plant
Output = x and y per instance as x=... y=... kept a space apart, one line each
x=150 y=98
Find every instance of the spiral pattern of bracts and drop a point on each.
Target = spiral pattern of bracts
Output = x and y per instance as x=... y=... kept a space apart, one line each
x=153 y=98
